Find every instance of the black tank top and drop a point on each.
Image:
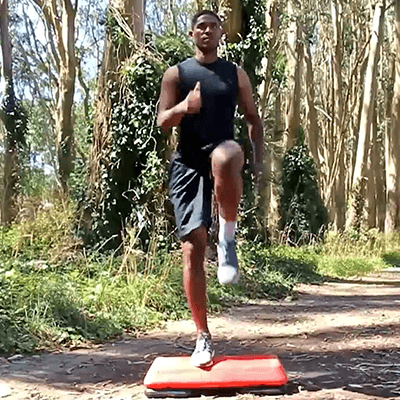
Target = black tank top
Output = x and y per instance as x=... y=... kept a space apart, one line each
x=199 y=133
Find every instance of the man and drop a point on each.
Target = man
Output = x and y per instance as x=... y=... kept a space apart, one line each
x=200 y=96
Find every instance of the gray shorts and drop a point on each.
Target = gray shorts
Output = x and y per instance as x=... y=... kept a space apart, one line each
x=190 y=191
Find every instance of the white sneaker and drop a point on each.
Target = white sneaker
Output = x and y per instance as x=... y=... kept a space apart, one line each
x=203 y=354
x=228 y=267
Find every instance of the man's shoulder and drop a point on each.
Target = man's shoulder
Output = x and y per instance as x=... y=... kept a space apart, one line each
x=226 y=62
x=186 y=62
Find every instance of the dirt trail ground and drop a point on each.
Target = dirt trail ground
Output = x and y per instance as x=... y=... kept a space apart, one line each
x=337 y=340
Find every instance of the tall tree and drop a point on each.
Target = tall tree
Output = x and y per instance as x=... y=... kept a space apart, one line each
x=273 y=153
x=11 y=118
x=337 y=166
x=359 y=175
x=122 y=37
x=311 y=112
x=392 y=142
x=293 y=77
x=60 y=18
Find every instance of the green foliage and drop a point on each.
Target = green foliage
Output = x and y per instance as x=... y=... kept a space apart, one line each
x=135 y=138
x=49 y=308
x=35 y=183
x=250 y=51
x=48 y=302
x=279 y=69
x=40 y=152
x=365 y=244
x=15 y=118
x=303 y=213
x=348 y=267
x=40 y=138
x=175 y=48
x=116 y=31
x=51 y=297
x=133 y=179
x=47 y=234
x=355 y=253
x=271 y=272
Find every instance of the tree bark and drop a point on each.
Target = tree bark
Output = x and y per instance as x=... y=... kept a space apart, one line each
x=268 y=190
x=359 y=175
x=276 y=153
x=311 y=113
x=271 y=25
x=64 y=117
x=392 y=143
x=112 y=59
x=373 y=172
x=232 y=11
x=8 y=113
x=136 y=8
x=293 y=79
x=63 y=27
x=337 y=174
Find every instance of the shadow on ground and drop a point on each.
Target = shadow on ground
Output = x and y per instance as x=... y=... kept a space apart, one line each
x=371 y=371
x=360 y=356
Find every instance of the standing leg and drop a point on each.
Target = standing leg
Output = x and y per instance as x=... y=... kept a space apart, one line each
x=194 y=281
x=226 y=163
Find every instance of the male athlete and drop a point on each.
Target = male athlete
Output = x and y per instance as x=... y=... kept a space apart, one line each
x=199 y=95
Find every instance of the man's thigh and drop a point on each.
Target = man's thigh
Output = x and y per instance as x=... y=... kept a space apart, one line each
x=190 y=193
x=228 y=152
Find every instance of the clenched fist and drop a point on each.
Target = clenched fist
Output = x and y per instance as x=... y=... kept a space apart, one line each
x=193 y=100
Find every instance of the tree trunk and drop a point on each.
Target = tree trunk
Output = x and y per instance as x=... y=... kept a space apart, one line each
x=359 y=175
x=337 y=173
x=232 y=11
x=62 y=27
x=64 y=118
x=373 y=171
x=265 y=90
x=172 y=17
x=392 y=144
x=276 y=152
x=311 y=113
x=271 y=25
x=8 y=113
x=293 y=79
x=136 y=9
x=115 y=55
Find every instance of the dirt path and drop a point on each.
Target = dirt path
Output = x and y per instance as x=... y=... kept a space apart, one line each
x=336 y=341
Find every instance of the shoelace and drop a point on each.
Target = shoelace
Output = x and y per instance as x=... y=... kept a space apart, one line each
x=205 y=341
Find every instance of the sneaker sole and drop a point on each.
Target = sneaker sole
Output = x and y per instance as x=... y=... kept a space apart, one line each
x=206 y=364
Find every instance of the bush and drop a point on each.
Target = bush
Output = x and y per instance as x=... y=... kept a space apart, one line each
x=49 y=235
x=304 y=216
x=267 y=272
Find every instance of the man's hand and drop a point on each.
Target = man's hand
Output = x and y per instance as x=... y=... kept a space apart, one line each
x=193 y=100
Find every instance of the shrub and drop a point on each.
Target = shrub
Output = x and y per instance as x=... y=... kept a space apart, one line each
x=304 y=216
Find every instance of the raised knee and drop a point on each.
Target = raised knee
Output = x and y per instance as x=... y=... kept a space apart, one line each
x=228 y=154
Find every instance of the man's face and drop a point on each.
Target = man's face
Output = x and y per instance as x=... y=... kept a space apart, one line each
x=207 y=32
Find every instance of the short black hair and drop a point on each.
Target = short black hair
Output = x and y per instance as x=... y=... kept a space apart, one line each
x=204 y=12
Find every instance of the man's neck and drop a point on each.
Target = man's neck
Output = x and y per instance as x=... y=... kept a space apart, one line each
x=206 y=58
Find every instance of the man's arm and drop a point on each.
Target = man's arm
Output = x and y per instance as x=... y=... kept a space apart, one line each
x=253 y=120
x=170 y=112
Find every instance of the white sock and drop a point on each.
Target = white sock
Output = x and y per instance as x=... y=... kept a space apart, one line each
x=226 y=230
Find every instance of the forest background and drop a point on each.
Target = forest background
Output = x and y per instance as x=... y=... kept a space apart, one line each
x=88 y=248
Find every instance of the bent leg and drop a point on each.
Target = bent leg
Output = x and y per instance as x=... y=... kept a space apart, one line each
x=226 y=164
